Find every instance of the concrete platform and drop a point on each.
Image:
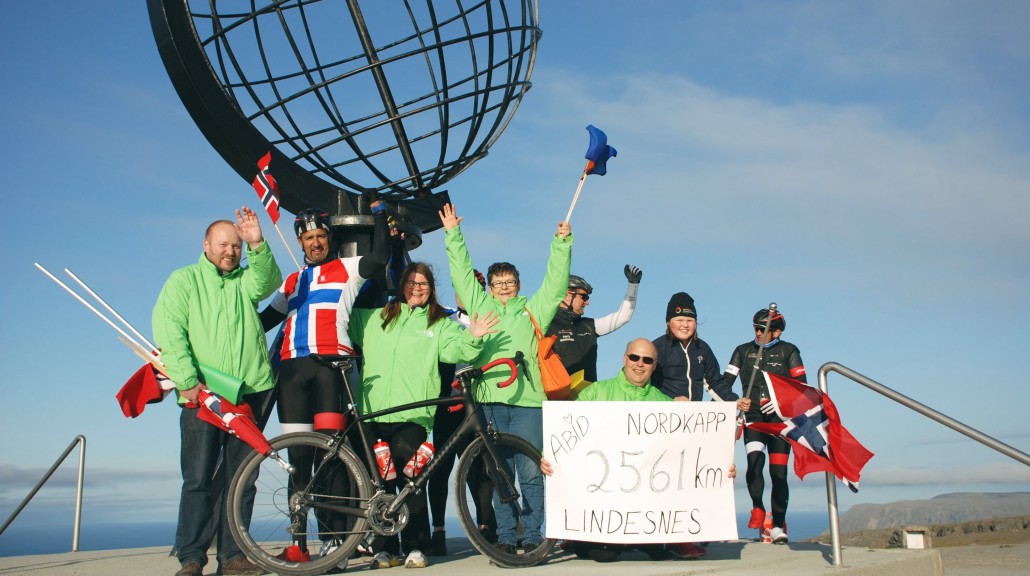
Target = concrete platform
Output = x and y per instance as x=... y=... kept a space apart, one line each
x=741 y=558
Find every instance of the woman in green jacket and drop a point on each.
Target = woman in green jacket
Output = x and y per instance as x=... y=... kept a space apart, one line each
x=402 y=344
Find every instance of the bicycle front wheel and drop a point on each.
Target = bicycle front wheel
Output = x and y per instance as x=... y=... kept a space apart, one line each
x=259 y=498
x=478 y=470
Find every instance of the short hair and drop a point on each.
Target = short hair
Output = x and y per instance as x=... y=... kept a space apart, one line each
x=211 y=226
x=498 y=268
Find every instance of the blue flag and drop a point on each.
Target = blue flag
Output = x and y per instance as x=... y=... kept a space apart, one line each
x=598 y=152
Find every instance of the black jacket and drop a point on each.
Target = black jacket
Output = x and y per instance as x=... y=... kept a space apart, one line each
x=576 y=344
x=683 y=372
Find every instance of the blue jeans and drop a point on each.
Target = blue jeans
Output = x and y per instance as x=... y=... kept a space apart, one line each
x=202 y=446
x=528 y=424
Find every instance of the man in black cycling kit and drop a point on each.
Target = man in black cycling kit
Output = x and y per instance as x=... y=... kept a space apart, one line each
x=784 y=359
x=577 y=335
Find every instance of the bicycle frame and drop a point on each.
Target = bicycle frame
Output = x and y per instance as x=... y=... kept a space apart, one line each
x=474 y=422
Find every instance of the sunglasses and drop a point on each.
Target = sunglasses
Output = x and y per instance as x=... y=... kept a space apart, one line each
x=583 y=295
x=645 y=359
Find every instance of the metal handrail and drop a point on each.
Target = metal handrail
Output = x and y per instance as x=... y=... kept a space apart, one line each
x=831 y=486
x=81 y=441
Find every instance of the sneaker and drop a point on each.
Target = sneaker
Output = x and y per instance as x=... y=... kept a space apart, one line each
x=529 y=547
x=191 y=568
x=293 y=553
x=506 y=548
x=328 y=547
x=241 y=566
x=385 y=560
x=757 y=517
x=415 y=559
x=778 y=535
x=438 y=543
x=686 y=550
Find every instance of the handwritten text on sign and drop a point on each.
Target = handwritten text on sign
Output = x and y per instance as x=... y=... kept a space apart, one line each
x=640 y=472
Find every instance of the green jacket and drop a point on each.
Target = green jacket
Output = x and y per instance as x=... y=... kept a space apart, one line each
x=515 y=330
x=401 y=360
x=619 y=389
x=202 y=317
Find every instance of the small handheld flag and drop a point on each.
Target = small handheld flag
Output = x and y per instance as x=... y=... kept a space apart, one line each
x=266 y=187
x=268 y=191
x=598 y=153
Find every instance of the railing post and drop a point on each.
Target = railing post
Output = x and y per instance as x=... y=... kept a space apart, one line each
x=81 y=440
x=831 y=486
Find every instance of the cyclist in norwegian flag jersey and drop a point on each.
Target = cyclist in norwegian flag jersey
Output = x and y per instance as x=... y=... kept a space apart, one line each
x=316 y=303
x=782 y=358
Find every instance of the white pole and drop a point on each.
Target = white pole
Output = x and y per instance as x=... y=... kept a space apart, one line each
x=582 y=180
x=153 y=349
x=87 y=305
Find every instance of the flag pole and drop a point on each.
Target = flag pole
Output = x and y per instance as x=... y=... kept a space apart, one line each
x=87 y=304
x=579 y=188
x=758 y=362
x=289 y=250
x=153 y=349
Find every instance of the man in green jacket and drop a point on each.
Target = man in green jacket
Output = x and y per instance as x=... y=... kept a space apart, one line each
x=516 y=408
x=206 y=315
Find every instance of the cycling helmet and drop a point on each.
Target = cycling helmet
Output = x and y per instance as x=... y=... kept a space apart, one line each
x=311 y=219
x=578 y=282
x=778 y=322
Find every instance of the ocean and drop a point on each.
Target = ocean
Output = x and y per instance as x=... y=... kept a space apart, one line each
x=34 y=539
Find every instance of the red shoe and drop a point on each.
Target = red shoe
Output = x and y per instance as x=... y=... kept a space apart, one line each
x=757 y=518
x=686 y=550
x=293 y=553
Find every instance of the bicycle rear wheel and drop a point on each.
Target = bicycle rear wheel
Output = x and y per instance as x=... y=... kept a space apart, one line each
x=473 y=461
x=263 y=486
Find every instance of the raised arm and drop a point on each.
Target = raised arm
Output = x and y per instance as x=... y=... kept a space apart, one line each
x=624 y=314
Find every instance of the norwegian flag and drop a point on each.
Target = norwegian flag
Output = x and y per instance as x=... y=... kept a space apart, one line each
x=146 y=386
x=812 y=426
x=266 y=188
x=236 y=419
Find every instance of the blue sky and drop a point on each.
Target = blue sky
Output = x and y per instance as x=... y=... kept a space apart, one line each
x=861 y=164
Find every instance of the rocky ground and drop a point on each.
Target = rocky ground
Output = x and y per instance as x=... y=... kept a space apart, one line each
x=994 y=531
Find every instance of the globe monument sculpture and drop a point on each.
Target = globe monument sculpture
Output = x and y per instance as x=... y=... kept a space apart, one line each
x=397 y=96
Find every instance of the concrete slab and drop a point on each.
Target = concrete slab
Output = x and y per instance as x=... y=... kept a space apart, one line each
x=740 y=558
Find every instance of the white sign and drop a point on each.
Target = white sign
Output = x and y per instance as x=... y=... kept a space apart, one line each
x=640 y=472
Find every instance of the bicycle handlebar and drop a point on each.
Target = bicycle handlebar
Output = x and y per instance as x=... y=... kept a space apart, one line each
x=512 y=365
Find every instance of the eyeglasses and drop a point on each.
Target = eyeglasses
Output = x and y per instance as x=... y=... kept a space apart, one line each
x=583 y=295
x=504 y=283
x=413 y=284
x=645 y=359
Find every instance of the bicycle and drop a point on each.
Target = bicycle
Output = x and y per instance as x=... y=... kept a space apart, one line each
x=351 y=503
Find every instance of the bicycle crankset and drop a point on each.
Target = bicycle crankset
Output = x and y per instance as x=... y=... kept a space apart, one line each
x=381 y=520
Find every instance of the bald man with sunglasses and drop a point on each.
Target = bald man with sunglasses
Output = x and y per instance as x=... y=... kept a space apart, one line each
x=631 y=384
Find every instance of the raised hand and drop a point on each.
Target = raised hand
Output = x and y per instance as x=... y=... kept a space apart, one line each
x=633 y=274
x=564 y=229
x=448 y=217
x=248 y=227
x=481 y=326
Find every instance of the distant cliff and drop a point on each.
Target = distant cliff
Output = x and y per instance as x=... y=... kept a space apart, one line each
x=943 y=509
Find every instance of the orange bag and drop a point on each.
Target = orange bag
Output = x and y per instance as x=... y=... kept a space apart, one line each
x=556 y=380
